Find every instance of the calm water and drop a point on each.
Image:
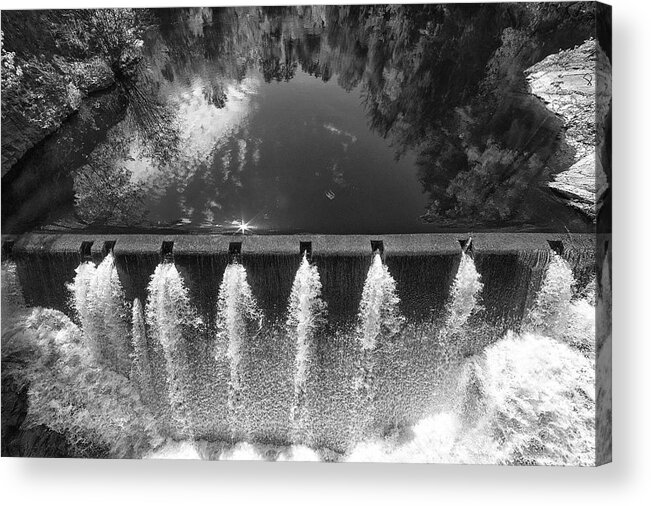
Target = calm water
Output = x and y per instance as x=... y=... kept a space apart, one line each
x=321 y=120
x=293 y=156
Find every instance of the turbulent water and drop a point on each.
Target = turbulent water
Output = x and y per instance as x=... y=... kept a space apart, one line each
x=141 y=372
x=306 y=313
x=237 y=314
x=378 y=311
x=552 y=307
x=100 y=305
x=464 y=296
x=12 y=296
x=528 y=398
x=379 y=321
x=170 y=316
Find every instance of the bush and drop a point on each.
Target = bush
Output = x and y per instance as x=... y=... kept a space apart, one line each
x=51 y=59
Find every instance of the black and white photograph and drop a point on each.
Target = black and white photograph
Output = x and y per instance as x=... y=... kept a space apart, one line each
x=329 y=233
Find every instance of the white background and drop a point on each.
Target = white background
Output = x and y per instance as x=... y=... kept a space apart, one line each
x=626 y=481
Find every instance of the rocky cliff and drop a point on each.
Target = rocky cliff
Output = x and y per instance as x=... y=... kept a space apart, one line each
x=576 y=86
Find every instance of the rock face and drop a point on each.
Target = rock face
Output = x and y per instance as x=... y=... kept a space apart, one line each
x=19 y=135
x=576 y=86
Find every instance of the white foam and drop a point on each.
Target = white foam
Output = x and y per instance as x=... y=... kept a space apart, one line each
x=378 y=310
x=236 y=310
x=304 y=315
x=178 y=450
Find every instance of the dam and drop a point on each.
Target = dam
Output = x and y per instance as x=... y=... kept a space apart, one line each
x=321 y=340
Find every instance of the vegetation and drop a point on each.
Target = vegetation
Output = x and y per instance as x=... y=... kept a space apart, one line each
x=51 y=59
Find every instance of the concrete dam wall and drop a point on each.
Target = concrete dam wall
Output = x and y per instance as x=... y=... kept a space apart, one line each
x=423 y=265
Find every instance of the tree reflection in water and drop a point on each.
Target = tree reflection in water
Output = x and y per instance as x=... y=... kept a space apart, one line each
x=443 y=84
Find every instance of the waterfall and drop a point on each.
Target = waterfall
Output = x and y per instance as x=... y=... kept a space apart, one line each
x=100 y=305
x=171 y=318
x=536 y=399
x=378 y=311
x=527 y=399
x=347 y=387
x=306 y=312
x=81 y=290
x=464 y=296
x=379 y=319
x=141 y=370
x=237 y=312
x=552 y=307
x=12 y=294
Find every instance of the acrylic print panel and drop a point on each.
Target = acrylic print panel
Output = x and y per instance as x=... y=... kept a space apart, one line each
x=331 y=233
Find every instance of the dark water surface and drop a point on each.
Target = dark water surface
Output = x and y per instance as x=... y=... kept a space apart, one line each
x=293 y=156
x=316 y=120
